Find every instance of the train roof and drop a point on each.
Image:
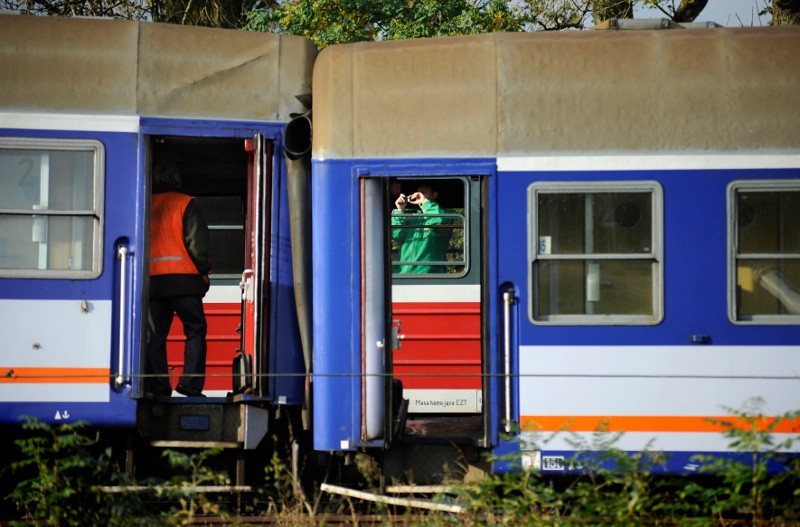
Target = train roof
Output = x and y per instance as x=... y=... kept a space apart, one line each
x=569 y=92
x=103 y=66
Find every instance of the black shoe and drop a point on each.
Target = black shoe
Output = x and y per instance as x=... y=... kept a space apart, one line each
x=188 y=392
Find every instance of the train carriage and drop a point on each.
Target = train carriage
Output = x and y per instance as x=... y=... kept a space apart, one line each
x=611 y=223
x=625 y=209
x=89 y=107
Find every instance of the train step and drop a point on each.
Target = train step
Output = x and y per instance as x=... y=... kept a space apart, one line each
x=198 y=422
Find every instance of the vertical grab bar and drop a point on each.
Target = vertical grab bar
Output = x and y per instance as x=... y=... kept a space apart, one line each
x=122 y=255
x=508 y=301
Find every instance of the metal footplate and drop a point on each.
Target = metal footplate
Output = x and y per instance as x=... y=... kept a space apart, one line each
x=195 y=422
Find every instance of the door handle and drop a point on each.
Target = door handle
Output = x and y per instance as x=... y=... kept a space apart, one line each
x=122 y=255
x=509 y=297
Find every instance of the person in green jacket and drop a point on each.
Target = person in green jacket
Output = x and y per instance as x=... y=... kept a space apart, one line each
x=419 y=232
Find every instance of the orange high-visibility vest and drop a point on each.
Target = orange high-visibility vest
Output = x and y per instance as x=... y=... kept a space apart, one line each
x=168 y=254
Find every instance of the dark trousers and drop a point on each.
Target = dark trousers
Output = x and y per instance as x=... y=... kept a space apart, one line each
x=190 y=312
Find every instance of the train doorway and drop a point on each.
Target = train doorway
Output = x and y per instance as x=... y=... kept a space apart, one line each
x=227 y=178
x=435 y=269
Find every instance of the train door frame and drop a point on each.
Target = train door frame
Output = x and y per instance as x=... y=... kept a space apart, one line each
x=257 y=222
x=476 y=177
x=263 y=148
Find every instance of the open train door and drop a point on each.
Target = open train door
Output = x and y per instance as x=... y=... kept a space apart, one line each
x=252 y=357
x=440 y=354
x=374 y=318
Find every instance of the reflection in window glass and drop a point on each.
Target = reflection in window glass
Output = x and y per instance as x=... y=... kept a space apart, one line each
x=767 y=250
x=49 y=208
x=594 y=259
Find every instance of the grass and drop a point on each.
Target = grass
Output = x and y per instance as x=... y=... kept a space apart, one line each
x=59 y=473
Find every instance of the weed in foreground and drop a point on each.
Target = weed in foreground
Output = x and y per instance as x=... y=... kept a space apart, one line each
x=759 y=485
x=58 y=471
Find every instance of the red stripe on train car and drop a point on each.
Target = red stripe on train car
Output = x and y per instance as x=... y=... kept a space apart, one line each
x=222 y=341
x=440 y=346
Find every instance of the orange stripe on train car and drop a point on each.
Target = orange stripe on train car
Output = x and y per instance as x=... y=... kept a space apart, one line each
x=654 y=423
x=26 y=375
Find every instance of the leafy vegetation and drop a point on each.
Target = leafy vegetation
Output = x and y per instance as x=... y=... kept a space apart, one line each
x=329 y=22
x=61 y=476
x=759 y=486
x=58 y=474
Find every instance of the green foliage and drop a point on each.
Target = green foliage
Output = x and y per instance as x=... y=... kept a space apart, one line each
x=64 y=479
x=58 y=473
x=191 y=471
x=61 y=471
x=210 y=13
x=553 y=15
x=280 y=491
x=748 y=489
x=612 y=487
x=329 y=22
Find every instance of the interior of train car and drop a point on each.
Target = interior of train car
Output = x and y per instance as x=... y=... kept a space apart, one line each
x=436 y=309
x=214 y=172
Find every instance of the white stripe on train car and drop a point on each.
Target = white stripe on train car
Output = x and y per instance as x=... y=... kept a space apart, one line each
x=55 y=333
x=436 y=293
x=72 y=122
x=55 y=350
x=654 y=161
x=223 y=294
x=54 y=393
x=638 y=442
x=667 y=394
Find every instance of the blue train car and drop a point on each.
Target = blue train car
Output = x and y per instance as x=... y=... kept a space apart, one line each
x=89 y=107
x=604 y=236
x=623 y=251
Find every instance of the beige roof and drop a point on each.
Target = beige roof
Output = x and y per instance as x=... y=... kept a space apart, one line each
x=71 y=65
x=571 y=92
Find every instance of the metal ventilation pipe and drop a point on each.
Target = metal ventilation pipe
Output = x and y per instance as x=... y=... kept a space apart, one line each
x=297 y=147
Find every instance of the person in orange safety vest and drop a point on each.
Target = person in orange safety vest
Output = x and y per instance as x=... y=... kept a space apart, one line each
x=179 y=267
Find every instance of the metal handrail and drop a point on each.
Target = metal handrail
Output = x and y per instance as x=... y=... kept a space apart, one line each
x=122 y=255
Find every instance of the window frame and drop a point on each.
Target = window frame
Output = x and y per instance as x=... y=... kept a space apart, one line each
x=752 y=185
x=96 y=213
x=465 y=218
x=655 y=255
x=222 y=227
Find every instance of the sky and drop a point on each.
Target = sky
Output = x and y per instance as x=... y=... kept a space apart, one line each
x=729 y=13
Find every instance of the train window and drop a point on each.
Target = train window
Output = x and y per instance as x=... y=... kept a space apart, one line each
x=595 y=253
x=765 y=251
x=50 y=208
x=429 y=237
x=225 y=216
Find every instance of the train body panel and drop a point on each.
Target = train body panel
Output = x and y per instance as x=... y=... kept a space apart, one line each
x=436 y=317
x=61 y=306
x=440 y=330
x=608 y=236
x=93 y=107
x=665 y=384
x=336 y=311
x=635 y=238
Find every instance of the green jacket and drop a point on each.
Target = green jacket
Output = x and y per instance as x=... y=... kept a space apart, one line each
x=420 y=240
